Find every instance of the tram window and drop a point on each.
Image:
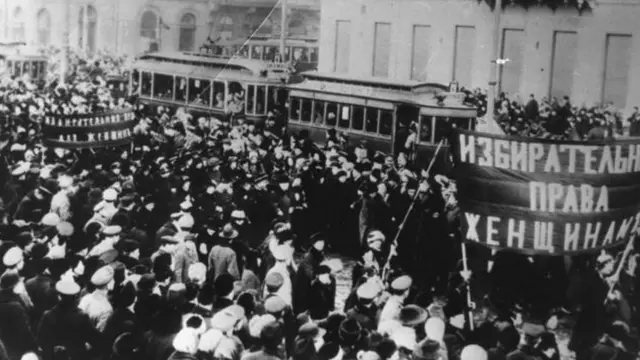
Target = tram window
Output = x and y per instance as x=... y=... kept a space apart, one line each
x=146 y=84
x=256 y=52
x=287 y=54
x=199 y=92
x=318 y=112
x=272 y=94
x=300 y=54
x=332 y=114
x=135 y=82
x=163 y=86
x=181 y=89
x=345 y=116
x=17 y=68
x=34 y=69
x=372 y=120
x=313 y=54
x=306 y=110
x=442 y=128
x=261 y=99
x=243 y=52
x=425 y=128
x=386 y=122
x=218 y=94
x=251 y=95
x=270 y=53
x=461 y=123
x=357 y=117
x=27 y=68
x=294 y=110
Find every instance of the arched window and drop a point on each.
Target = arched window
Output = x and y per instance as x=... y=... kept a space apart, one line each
x=150 y=30
x=265 y=27
x=297 y=27
x=226 y=27
x=17 y=31
x=87 y=28
x=187 y=32
x=44 y=27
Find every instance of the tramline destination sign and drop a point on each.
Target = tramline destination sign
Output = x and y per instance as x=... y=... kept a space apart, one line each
x=544 y=196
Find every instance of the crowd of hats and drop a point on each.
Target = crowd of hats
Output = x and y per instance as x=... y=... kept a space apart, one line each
x=550 y=118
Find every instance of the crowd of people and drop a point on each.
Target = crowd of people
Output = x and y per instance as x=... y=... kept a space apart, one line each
x=210 y=239
x=557 y=118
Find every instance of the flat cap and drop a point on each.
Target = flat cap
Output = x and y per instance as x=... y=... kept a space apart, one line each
x=112 y=230
x=127 y=245
x=401 y=283
x=110 y=195
x=367 y=291
x=281 y=252
x=274 y=281
x=67 y=287
x=375 y=235
x=274 y=304
x=103 y=276
x=50 y=219
x=12 y=257
x=186 y=222
x=65 y=228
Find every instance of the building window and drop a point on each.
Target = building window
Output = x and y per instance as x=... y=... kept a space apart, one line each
x=381 y=49
x=465 y=43
x=17 y=31
x=513 y=41
x=187 y=32
x=87 y=28
x=297 y=27
x=563 y=61
x=343 y=44
x=265 y=27
x=150 y=30
x=226 y=28
x=420 y=52
x=616 y=70
x=44 y=27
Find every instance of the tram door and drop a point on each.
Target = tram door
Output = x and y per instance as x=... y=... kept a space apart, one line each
x=405 y=116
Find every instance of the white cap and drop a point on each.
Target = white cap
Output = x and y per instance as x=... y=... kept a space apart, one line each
x=50 y=219
x=473 y=352
x=12 y=257
x=109 y=195
x=65 y=181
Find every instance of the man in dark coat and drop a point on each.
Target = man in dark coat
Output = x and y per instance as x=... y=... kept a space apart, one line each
x=66 y=325
x=307 y=270
x=15 y=327
x=321 y=294
x=41 y=290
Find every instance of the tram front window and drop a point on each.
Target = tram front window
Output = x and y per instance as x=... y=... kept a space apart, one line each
x=332 y=114
x=357 y=118
x=313 y=54
x=146 y=83
x=461 y=123
x=270 y=53
x=181 y=89
x=318 y=110
x=163 y=86
x=27 y=68
x=34 y=69
x=345 y=117
x=17 y=68
x=235 y=102
x=306 y=110
x=443 y=128
x=251 y=95
x=256 y=52
x=425 y=128
x=294 y=109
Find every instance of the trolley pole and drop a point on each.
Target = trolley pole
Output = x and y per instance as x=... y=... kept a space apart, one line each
x=283 y=28
x=495 y=63
x=64 y=63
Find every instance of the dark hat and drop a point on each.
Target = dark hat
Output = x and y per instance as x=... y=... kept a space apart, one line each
x=147 y=282
x=228 y=232
x=332 y=322
x=140 y=269
x=206 y=295
x=127 y=245
x=303 y=348
x=272 y=334
x=39 y=251
x=284 y=234
x=317 y=237
x=125 y=297
x=368 y=187
x=323 y=269
x=412 y=184
x=412 y=315
x=310 y=330
x=9 y=280
x=224 y=284
x=427 y=349
x=261 y=178
x=350 y=332
x=386 y=348
x=328 y=351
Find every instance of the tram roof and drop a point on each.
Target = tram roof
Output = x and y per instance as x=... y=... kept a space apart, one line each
x=382 y=89
x=267 y=42
x=191 y=71
x=253 y=66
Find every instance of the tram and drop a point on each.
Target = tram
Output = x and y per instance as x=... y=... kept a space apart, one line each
x=16 y=61
x=300 y=54
x=205 y=84
x=379 y=111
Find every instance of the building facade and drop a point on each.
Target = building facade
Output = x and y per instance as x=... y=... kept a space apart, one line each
x=133 y=26
x=594 y=56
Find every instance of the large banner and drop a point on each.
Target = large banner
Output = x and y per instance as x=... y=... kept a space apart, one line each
x=89 y=130
x=547 y=197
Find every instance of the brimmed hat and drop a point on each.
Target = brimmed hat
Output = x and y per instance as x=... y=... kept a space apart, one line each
x=13 y=257
x=311 y=330
x=274 y=304
x=274 y=281
x=228 y=232
x=412 y=315
x=9 y=280
x=103 y=276
x=427 y=349
x=350 y=332
x=401 y=283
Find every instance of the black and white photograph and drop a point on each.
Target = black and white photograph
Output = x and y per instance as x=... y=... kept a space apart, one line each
x=319 y=179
